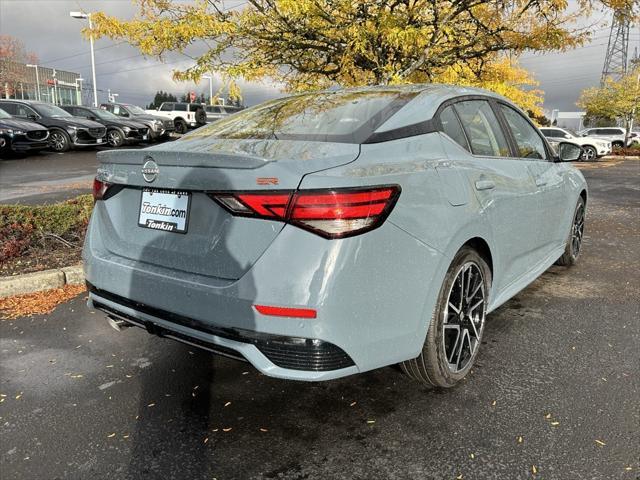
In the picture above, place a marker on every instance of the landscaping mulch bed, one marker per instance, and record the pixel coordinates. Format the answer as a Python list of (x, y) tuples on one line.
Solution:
[(38, 259)]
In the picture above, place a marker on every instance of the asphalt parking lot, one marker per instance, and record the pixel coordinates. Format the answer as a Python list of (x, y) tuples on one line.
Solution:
[(554, 394)]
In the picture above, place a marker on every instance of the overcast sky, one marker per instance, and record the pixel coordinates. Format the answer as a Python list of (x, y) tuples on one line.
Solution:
[(47, 30)]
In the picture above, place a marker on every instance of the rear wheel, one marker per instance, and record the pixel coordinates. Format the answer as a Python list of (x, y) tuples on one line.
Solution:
[(181, 126), (574, 242), (617, 145), (59, 141), (115, 138), (589, 153), (455, 332)]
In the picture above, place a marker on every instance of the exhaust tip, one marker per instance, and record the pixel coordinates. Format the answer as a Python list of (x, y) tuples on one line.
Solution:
[(117, 324)]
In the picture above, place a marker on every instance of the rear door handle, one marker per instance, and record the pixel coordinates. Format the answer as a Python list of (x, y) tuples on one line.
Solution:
[(485, 185), (540, 182)]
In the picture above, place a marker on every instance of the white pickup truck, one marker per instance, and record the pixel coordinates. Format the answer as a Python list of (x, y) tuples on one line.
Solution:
[(184, 115)]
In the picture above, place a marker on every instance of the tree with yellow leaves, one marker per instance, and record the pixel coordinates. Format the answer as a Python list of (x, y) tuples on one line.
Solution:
[(614, 100), (311, 44)]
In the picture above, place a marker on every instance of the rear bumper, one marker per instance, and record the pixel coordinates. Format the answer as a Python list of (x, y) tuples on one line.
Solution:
[(310, 356), (372, 310)]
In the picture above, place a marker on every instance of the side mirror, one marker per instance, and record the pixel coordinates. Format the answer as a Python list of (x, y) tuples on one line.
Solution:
[(32, 117), (569, 152), (93, 118)]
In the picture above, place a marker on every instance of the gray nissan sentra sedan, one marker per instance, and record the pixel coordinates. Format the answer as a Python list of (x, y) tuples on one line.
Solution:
[(330, 233)]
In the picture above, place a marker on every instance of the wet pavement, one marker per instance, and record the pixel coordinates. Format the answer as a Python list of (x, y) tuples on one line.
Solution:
[(554, 394)]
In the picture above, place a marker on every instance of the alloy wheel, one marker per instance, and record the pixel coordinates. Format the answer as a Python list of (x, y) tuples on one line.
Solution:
[(464, 317), (577, 230), (113, 139), (588, 154), (57, 141)]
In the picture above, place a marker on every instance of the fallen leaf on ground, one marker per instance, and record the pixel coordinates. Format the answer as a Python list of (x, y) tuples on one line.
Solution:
[(371, 421), (519, 439), (601, 443), (534, 470), (227, 404), (493, 404), (38, 303), (151, 405), (111, 436), (226, 429), (353, 404), (555, 423), (264, 430)]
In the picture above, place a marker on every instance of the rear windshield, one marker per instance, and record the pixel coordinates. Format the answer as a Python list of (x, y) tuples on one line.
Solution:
[(344, 117)]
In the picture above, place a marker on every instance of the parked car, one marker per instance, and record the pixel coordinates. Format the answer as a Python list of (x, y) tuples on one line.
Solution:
[(159, 128), (593, 147), (216, 112), (615, 135), (183, 115), (65, 131), (21, 136), (331, 233), (119, 130)]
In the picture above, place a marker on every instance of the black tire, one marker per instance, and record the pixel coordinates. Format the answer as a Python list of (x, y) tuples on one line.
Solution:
[(59, 141), (576, 232), (201, 117), (433, 367), (181, 126), (589, 154), (115, 138)]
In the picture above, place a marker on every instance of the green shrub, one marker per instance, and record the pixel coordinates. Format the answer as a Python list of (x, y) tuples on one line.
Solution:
[(23, 227)]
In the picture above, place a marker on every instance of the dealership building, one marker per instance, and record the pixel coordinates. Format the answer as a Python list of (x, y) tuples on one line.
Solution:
[(33, 82)]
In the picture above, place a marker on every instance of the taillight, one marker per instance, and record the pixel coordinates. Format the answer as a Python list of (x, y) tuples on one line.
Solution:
[(331, 213), (99, 189)]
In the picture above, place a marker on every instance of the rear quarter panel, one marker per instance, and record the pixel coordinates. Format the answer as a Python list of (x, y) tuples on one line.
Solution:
[(408, 285)]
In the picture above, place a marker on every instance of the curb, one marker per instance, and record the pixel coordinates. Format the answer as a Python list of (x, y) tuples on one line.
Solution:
[(38, 281)]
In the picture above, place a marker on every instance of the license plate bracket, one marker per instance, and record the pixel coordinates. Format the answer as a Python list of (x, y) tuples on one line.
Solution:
[(164, 210)]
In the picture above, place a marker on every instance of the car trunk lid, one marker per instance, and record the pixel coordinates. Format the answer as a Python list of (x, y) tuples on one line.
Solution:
[(216, 243)]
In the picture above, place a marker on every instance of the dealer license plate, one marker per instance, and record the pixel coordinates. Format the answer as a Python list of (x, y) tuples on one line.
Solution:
[(165, 210)]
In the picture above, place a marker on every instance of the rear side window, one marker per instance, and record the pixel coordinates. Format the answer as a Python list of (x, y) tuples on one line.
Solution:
[(482, 128), (451, 126), (180, 107), (553, 133), (530, 144), (10, 108)]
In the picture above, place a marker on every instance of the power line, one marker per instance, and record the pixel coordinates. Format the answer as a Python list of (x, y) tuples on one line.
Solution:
[(82, 53)]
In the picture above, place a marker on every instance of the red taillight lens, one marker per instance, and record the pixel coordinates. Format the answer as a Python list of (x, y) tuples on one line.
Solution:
[(99, 189), (332, 213)]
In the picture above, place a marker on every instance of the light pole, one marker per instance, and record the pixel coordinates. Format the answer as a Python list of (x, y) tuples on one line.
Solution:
[(79, 90), (37, 80), (83, 15), (210, 77)]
